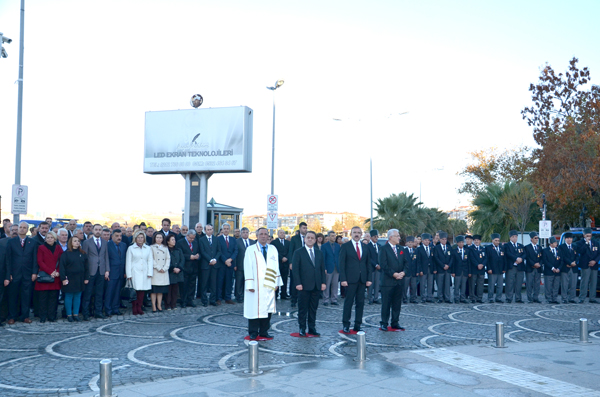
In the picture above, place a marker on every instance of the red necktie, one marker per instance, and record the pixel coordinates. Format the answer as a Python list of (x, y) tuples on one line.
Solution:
[(395, 252), (227, 241), (190, 245), (22, 242), (357, 251)]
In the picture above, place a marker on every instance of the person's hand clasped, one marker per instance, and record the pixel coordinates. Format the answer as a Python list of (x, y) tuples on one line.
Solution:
[(299, 287)]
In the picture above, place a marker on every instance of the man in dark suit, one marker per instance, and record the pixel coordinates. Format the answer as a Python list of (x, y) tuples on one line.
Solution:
[(165, 227), (533, 268), (355, 273), (551, 264), (284, 264), (495, 267), (71, 227), (243, 242), (373, 291), (191, 252), (309, 277), (43, 229), (460, 269), (296, 242), (411, 272), (227, 257), (515, 267), (568, 270), (393, 261), (21, 273), (199, 231), (99, 266), (331, 256), (149, 235), (442, 258), (477, 263), (209, 251), (117, 254), (589, 255), (425, 268), (87, 230)]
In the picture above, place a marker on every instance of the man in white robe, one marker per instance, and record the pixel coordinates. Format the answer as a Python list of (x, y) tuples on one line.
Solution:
[(261, 269)]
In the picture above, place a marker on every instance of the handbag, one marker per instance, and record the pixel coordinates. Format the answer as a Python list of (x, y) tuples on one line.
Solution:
[(128, 293), (44, 277)]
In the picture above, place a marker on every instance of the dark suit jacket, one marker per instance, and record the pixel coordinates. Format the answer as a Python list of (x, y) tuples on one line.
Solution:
[(239, 262), (531, 257), (567, 257), (4, 271), (209, 252), (441, 258), (424, 262), (586, 255), (478, 257), (391, 264), (374, 254), (116, 259), (353, 270), (550, 261), (190, 266), (460, 264), (295, 243), (411, 269), (512, 254), (331, 257), (307, 274), (282, 250), (39, 239), (496, 262), (97, 260), (227, 253), (21, 262)]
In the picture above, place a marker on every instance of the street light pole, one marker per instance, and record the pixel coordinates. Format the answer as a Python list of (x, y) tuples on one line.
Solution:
[(371, 174), (16, 217), (278, 84)]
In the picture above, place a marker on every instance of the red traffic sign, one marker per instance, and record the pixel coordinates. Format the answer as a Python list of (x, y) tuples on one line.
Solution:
[(272, 202)]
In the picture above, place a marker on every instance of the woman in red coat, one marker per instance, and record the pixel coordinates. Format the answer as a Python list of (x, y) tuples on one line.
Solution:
[(48, 256)]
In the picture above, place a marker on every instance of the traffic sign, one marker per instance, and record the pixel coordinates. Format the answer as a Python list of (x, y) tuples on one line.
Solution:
[(273, 202), (272, 220), (19, 199), (545, 229)]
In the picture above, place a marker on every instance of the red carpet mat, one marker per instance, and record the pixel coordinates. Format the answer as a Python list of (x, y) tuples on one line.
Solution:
[(352, 332), (390, 329), (260, 338), (297, 335)]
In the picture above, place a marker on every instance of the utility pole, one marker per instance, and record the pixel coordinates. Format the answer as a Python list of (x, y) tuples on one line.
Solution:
[(16, 217)]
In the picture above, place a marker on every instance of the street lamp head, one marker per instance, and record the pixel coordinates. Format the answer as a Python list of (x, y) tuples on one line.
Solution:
[(278, 84)]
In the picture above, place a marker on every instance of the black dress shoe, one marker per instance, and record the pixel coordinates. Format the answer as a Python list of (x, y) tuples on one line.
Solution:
[(383, 327), (397, 326), (593, 301), (293, 305), (440, 301), (267, 335), (70, 319), (183, 305), (86, 318), (377, 302), (334, 304), (581, 301), (76, 319), (42, 320), (326, 304), (302, 332), (519, 302), (253, 336), (313, 332), (508, 301), (356, 329), (346, 330), (118, 313), (192, 304), (204, 304), (101, 316), (213, 303)]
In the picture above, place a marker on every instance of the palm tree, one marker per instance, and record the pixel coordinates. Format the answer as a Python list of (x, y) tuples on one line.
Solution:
[(398, 211), (490, 216)]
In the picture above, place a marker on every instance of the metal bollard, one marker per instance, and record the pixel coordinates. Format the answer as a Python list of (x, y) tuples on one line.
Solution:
[(583, 330), (106, 379), (361, 346), (500, 335), (253, 359)]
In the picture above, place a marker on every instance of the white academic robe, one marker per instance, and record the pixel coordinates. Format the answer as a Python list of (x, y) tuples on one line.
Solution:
[(261, 302)]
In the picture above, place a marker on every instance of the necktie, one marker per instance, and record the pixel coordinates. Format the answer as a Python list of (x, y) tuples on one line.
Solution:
[(22, 242), (190, 244), (498, 250), (227, 241), (98, 243), (282, 243), (444, 248), (395, 251), (462, 256), (210, 241), (264, 250), (246, 243), (535, 248), (569, 247), (427, 250), (357, 250), (302, 237), (312, 256), (376, 248), (553, 252)]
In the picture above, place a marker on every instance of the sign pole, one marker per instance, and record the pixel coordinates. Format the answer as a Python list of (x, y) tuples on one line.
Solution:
[(16, 217)]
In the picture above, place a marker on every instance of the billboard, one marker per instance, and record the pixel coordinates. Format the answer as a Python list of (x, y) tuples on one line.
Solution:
[(198, 140)]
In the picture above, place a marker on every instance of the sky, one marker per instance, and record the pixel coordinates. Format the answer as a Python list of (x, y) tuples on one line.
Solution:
[(460, 69)]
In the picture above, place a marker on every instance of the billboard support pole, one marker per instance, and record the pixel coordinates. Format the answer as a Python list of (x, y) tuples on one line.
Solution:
[(186, 207), (203, 197)]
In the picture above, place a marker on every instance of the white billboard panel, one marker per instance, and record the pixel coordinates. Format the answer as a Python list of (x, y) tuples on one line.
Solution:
[(198, 140)]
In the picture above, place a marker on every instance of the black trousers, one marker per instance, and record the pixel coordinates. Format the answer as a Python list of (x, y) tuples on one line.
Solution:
[(48, 304), (209, 281), (198, 286), (189, 279), (355, 293), (284, 271), (391, 298), (239, 284), (21, 288), (94, 287), (308, 301), (259, 326)]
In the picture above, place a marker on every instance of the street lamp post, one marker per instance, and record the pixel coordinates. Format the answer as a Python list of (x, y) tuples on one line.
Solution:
[(278, 84)]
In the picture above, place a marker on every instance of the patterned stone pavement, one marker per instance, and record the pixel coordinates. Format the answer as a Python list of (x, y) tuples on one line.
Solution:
[(62, 358)]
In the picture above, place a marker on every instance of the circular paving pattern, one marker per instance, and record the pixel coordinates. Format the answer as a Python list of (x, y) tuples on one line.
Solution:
[(198, 340)]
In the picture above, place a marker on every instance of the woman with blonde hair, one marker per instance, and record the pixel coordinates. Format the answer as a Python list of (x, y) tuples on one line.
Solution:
[(139, 268), (160, 277), (48, 256)]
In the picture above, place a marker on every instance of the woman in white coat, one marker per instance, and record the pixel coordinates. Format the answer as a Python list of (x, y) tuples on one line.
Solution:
[(160, 277), (139, 268)]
